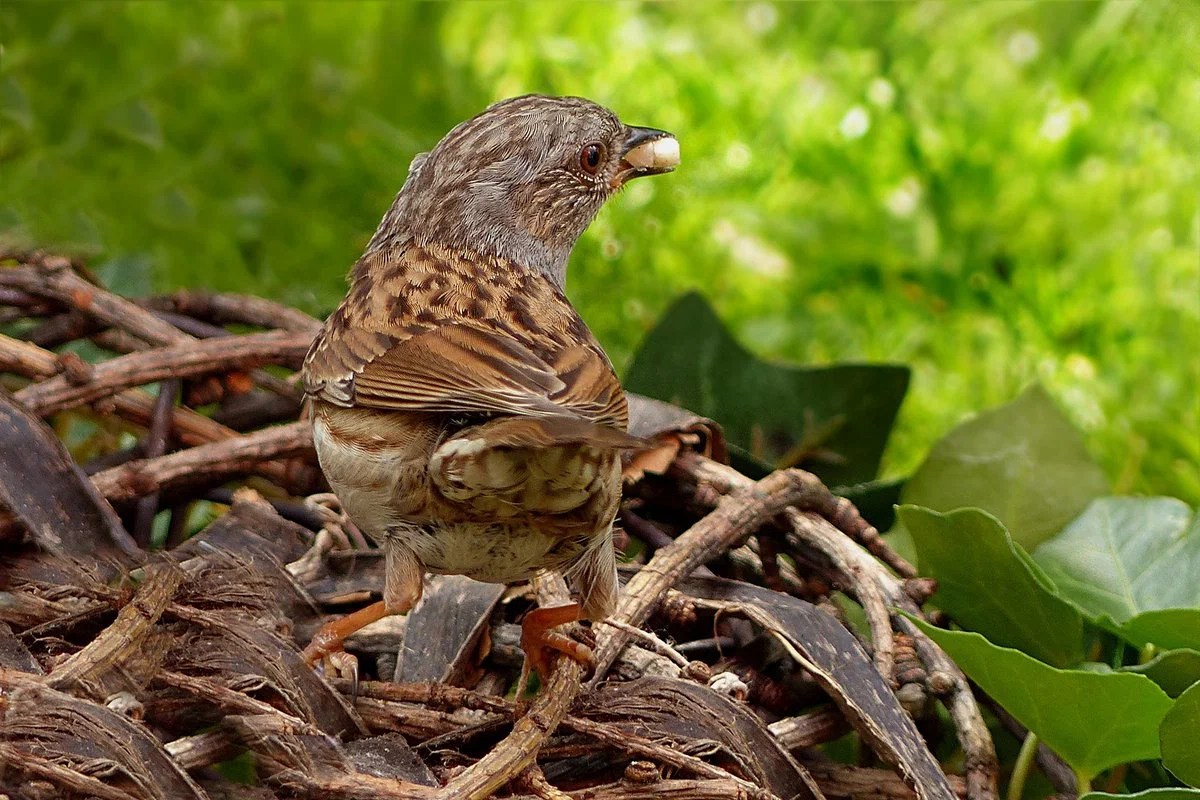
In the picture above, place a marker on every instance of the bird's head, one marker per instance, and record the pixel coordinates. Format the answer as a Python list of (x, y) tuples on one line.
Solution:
[(524, 179)]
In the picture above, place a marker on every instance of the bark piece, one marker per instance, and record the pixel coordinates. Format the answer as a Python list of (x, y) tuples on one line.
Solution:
[(252, 530), (670, 429), (15, 655), (307, 763), (838, 663), (698, 720), (240, 656), (349, 574), (85, 741), (443, 631), (389, 756), (49, 494)]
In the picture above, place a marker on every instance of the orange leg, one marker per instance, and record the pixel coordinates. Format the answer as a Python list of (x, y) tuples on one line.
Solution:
[(541, 643), (329, 638), (402, 585)]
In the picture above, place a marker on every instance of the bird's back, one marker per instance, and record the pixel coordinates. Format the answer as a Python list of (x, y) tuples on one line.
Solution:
[(463, 404)]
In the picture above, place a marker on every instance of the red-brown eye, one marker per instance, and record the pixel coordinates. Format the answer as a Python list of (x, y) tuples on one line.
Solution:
[(590, 157)]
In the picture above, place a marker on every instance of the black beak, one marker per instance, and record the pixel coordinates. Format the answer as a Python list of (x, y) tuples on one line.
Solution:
[(647, 151), (639, 135)]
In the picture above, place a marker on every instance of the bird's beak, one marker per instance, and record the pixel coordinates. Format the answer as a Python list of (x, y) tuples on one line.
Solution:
[(647, 151)]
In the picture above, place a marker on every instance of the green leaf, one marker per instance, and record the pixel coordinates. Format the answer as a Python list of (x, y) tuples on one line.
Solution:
[(1126, 555), (1149, 794), (1022, 462), (833, 421), (1174, 670), (1094, 720), (980, 570), (1169, 628), (1180, 736)]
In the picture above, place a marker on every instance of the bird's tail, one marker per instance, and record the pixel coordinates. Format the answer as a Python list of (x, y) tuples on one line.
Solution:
[(549, 465)]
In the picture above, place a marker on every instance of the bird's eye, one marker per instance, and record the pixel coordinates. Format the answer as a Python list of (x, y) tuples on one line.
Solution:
[(590, 157)]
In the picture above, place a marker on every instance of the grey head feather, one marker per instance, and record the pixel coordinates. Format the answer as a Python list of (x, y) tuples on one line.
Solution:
[(509, 183)]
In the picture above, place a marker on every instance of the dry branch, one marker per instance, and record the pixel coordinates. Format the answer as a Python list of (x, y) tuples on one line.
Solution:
[(206, 646), (149, 366), (125, 635), (450, 697), (242, 309), (736, 517), (205, 464), (864, 577), (512, 756), (137, 406), (53, 277)]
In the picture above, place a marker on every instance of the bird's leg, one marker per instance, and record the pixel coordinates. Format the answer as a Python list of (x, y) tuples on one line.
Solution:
[(326, 645), (403, 582), (540, 642)]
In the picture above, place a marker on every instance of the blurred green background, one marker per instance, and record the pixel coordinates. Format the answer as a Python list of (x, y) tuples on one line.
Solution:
[(993, 192)]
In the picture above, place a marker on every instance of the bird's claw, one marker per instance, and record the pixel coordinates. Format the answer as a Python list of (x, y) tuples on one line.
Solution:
[(343, 665), (541, 643)]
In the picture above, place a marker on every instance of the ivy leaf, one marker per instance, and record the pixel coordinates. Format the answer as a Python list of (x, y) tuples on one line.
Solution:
[(1023, 463), (1168, 628), (1180, 736), (979, 570), (833, 421), (1149, 794), (1174, 670), (1094, 720), (1127, 555)]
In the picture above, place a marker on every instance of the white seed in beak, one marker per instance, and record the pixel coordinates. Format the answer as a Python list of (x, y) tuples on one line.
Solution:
[(658, 154)]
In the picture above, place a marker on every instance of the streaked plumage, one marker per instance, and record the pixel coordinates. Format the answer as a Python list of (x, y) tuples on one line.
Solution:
[(462, 411)]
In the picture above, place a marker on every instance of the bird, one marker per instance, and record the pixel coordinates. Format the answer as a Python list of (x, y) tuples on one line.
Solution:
[(463, 413)]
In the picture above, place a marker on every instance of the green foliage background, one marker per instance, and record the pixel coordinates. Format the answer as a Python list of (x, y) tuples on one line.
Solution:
[(991, 192)]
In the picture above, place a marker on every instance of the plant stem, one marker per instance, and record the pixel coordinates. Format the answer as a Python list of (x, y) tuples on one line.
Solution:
[(1118, 659), (1084, 782), (1025, 759)]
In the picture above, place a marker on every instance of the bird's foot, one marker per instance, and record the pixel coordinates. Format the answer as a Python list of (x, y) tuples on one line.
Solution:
[(541, 643), (328, 658), (326, 646)]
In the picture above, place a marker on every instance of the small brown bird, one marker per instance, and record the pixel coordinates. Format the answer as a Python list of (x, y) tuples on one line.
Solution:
[(462, 411)]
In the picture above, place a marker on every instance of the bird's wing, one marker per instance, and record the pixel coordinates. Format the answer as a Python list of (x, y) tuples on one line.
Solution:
[(431, 331)]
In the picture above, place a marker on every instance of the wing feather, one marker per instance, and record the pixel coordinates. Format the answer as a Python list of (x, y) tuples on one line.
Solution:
[(401, 342)]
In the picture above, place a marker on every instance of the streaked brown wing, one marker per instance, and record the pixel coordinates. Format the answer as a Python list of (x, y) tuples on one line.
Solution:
[(460, 368), (498, 362)]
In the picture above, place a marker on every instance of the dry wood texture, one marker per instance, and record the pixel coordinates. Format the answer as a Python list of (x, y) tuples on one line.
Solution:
[(164, 558)]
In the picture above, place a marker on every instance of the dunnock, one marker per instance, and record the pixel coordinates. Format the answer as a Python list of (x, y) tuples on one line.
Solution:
[(462, 411)]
